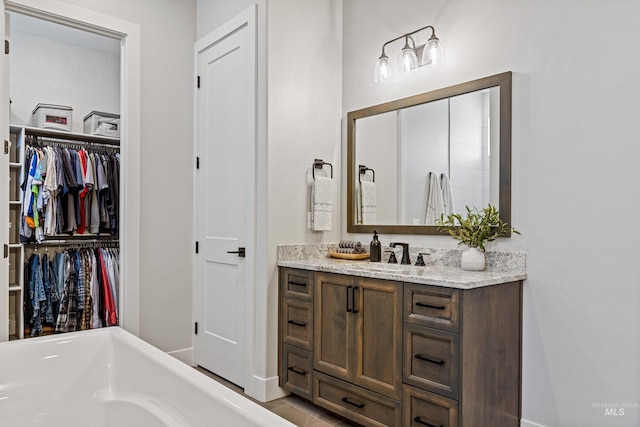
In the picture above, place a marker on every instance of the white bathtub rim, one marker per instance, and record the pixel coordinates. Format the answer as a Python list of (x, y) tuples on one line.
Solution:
[(206, 385)]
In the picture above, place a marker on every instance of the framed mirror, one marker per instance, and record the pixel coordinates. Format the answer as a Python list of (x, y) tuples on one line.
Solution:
[(413, 159)]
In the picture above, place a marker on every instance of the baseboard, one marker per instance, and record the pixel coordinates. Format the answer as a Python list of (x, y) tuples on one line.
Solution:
[(264, 389), (184, 355), (525, 423)]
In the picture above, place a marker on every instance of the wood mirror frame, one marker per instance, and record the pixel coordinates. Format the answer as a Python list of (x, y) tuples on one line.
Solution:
[(503, 81)]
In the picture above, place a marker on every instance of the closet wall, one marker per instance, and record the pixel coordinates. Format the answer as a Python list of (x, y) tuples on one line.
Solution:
[(52, 64)]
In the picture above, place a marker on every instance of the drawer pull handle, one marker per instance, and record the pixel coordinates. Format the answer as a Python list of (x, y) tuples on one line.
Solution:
[(297, 371), (353, 298), (357, 405), (349, 310), (435, 307), (297, 283), (293, 322), (419, 421), (426, 359)]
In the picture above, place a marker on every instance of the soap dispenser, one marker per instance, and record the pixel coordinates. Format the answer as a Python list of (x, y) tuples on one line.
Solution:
[(375, 249)]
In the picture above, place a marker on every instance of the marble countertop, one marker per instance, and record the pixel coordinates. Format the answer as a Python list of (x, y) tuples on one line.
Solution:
[(436, 275)]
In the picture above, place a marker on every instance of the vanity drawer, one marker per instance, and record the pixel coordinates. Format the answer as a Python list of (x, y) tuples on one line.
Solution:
[(296, 284), (297, 323), (355, 403), (296, 370), (422, 408), (431, 359), (432, 306)]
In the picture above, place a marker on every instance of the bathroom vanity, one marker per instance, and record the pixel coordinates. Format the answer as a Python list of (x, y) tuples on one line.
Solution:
[(392, 345)]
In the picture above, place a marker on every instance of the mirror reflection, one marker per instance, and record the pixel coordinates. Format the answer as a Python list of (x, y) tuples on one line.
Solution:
[(428, 160), (414, 159)]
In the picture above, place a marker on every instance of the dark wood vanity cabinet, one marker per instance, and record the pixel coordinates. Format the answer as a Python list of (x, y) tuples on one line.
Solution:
[(382, 352), (358, 331)]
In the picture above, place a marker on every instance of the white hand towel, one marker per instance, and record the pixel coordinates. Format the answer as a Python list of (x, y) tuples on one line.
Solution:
[(322, 204), (447, 195), (368, 203), (358, 205), (435, 205)]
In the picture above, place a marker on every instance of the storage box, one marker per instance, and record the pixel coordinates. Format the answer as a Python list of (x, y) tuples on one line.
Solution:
[(105, 124), (49, 116)]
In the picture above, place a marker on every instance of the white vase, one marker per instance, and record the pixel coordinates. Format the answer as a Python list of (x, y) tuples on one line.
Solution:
[(472, 259)]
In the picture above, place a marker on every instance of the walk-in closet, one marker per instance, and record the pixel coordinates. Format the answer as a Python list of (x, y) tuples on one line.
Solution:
[(64, 179)]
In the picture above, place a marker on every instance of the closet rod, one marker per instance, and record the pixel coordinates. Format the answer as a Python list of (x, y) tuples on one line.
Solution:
[(72, 242), (44, 139), (93, 139)]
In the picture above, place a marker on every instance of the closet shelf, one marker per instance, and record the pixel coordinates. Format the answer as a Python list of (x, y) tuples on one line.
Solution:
[(15, 288), (15, 245), (13, 165), (74, 136), (15, 202)]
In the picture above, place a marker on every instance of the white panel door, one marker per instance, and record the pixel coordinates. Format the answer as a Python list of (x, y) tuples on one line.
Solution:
[(4, 181), (226, 188)]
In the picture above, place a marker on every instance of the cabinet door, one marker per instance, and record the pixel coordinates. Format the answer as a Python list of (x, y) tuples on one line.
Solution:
[(333, 324), (378, 336)]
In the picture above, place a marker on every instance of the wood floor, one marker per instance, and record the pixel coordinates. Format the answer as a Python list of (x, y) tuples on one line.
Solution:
[(296, 410)]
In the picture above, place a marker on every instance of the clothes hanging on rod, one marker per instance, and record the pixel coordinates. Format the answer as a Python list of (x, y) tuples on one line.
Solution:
[(75, 289), (69, 190)]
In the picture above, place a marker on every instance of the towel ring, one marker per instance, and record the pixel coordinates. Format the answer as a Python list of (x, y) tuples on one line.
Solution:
[(363, 170), (319, 164)]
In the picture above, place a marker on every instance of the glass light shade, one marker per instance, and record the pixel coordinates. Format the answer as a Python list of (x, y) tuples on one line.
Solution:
[(382, 72), (407, 61), (433, 55)]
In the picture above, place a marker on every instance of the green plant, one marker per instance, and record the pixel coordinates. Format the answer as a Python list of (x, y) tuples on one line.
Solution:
[(477, 228)]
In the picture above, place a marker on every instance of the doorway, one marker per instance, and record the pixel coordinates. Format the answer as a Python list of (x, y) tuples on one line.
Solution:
[(128, 36)]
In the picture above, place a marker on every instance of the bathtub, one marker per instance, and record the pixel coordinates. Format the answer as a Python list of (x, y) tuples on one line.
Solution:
[(110, 378)]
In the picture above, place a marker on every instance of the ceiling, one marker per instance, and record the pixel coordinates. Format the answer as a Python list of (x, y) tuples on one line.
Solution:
[(64, 34)]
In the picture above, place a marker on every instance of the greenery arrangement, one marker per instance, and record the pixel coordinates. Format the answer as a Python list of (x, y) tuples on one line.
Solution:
[(477, 228)]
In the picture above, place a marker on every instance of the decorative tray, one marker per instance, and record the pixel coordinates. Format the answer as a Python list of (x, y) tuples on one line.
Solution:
[(349, 256)]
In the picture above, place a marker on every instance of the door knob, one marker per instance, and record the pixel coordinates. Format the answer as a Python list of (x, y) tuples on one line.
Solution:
[(241, 252)]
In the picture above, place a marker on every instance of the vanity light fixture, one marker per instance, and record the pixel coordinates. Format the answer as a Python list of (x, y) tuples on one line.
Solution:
[(410, 57)]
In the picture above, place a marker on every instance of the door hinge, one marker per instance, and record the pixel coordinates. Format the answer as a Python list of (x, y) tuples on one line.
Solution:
[(197, 247), (197, 162), (196, 328), (198, 82), (6, 147), (6, 47)]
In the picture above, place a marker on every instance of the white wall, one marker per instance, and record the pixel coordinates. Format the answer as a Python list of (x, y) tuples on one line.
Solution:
[(305, 67), (574, 162), (85, 79), (166, 237)]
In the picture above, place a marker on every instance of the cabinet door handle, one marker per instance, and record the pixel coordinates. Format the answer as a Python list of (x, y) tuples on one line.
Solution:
[(297, 371), (353, 298), (426, 359), (293, 322), (348, 306), (435, 307), (419, 421), (357, 405), (297, 283), (6, 250)]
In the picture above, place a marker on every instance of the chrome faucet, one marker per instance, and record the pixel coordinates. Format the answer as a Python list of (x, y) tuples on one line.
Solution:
[(405, 252)]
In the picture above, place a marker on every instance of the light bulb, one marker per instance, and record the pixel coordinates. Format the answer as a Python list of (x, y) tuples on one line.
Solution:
[(433, 55), (407, 59), (382, 72)]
